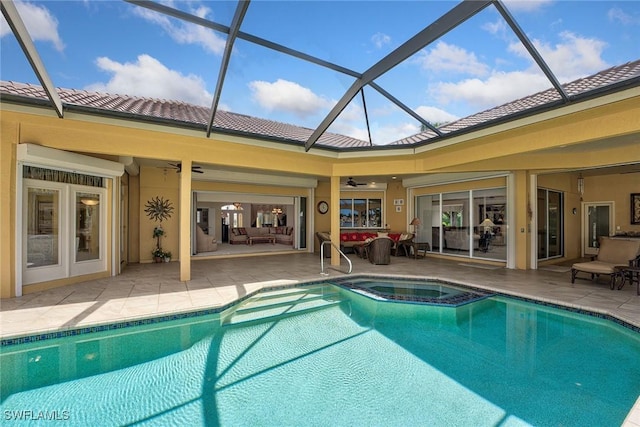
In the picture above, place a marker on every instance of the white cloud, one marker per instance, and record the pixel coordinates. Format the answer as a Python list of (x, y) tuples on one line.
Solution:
[(40, 23), (380, 39), (349, 129), (618, 15), (386, 134), (185, 32), (573, 57), (449, 58), (286, 96), (148, 77), (435, 115), (497, 89)]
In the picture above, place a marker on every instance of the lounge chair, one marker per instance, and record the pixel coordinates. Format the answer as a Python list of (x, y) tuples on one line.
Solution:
[(612, 253)]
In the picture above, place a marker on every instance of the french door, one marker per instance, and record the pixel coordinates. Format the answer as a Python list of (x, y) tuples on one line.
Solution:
[(63, 231)]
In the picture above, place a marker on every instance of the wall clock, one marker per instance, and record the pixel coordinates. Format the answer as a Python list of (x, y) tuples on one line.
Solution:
[(323, 207)]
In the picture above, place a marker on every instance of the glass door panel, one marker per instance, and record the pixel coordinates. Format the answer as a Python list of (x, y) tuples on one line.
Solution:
[(87, 226), (457, 232), (550, 224), (490, 225), (597, 223), (555, 224), (43, 230), (428, 231)]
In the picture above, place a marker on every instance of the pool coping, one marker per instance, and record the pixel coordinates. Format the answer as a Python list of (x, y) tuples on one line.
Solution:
[(44, 335)]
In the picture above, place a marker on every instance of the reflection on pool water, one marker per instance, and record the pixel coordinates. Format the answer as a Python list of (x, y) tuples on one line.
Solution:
[(325, 355)]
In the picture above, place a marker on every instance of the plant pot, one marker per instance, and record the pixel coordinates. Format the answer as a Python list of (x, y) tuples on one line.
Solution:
[(157, 259), (167, 259)]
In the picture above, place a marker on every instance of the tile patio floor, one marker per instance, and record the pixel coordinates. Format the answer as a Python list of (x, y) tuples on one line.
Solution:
[(148, 290)]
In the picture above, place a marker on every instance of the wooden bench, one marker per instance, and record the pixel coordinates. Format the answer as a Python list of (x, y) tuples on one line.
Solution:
[(612, 253)]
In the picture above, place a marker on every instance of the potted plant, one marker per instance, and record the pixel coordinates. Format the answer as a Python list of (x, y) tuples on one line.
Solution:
[(158, 255), (159, 209)]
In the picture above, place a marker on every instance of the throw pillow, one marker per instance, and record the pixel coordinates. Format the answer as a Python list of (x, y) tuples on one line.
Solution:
[(382, 234), (235, 231), (243, 231), (289, 231)]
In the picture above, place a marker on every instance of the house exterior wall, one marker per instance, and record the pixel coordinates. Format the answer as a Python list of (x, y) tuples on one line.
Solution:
[(523, 148)]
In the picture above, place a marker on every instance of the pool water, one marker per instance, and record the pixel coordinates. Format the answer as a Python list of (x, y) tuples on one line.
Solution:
[(323, 355), (423, 292)]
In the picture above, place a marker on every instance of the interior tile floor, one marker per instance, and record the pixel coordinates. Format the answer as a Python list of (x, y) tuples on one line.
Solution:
[(146, 290)]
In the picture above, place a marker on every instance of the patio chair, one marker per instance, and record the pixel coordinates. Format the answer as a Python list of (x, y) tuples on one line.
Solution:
[(405, 243), (612, 253), (379, 250)]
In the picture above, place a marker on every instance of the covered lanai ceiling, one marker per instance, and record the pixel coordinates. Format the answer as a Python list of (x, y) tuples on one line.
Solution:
[(380, 73)]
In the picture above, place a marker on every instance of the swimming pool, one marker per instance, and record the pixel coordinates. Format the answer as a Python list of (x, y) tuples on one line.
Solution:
[(322, 354)]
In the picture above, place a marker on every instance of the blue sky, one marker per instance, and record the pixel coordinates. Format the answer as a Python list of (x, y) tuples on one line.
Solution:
[(113, 46)]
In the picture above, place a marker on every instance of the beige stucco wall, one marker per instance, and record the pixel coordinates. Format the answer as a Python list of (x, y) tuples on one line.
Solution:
[(520, 148)]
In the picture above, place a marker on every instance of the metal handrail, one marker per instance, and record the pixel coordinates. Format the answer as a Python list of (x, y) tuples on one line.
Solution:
[(322, 272)]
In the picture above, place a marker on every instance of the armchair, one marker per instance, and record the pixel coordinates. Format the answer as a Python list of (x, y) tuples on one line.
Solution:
[(379, 250), (204, 242)]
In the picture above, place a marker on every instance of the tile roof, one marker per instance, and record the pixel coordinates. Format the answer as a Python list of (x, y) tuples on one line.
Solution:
[(574, 90), (181, 113)]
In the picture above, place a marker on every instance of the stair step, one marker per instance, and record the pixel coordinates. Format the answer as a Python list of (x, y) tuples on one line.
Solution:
[(317, 290), (261, 301), (269, 312)]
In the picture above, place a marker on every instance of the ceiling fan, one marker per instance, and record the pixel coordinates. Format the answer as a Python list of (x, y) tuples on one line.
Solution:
[(178, 167), (352, 183)]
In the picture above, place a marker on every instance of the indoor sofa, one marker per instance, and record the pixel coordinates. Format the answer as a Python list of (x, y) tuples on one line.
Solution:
[(458, 238), (241, 235)]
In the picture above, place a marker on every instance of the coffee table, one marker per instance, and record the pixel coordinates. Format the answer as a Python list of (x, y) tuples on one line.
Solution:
[(261, 239)]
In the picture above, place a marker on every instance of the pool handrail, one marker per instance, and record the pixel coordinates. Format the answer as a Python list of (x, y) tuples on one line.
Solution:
[(322, 272)]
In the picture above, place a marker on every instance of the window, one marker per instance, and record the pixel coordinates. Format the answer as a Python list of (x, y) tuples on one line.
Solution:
[(361, 213)]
